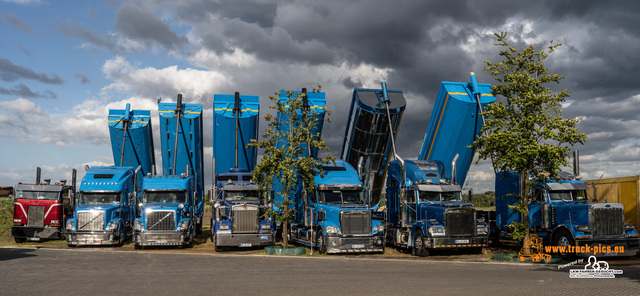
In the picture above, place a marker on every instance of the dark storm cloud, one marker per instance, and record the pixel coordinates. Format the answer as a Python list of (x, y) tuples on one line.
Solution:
[(96, 38), (11, 72), (17, 23), (24, 91), (138, 24)]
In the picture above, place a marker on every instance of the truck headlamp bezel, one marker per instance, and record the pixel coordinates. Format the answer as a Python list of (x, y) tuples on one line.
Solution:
[(629, 226), (137, 225), (183, 225), (436, 230), (223, 227), (332, 229), (113, 225), (264, 226), (583, 228), (71, 225)]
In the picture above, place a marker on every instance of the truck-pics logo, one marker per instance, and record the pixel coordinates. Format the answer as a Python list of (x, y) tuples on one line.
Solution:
[(534, 244)]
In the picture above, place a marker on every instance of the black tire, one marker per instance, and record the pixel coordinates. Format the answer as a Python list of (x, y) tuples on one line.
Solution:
[(19, 240), (215, 243), (475, 250), (199, 226), (564, 238), (137, 247), (320, 242), (418, 246)]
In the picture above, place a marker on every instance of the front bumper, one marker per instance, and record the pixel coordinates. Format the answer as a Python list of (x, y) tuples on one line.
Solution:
[(456, 242), (359, 244), (609, 247), (92, 238), (161, 238), (35, 233), (244, 239)]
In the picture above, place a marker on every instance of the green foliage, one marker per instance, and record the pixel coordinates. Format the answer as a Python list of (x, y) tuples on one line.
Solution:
[(6, 217), (526, 131), (286, 164), (483, 200)]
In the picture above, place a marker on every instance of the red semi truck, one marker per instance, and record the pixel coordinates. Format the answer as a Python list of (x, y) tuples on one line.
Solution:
[(40, 209)]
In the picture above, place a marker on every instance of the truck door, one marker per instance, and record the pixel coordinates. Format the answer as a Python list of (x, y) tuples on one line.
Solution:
[(409, 209), (535, 207)]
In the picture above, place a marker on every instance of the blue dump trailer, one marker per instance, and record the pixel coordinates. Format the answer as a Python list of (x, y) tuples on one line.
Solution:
[(454, 125), (314, 102), (368, 134), (131, 136), (172, 204), (107, 195), (425, 210), (561, 215), (238, 209)]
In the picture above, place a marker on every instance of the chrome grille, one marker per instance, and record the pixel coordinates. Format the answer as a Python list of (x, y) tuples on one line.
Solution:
[(606, 220), (89, 220), (161, 220), (244, 218), (36, 216), (355, 222), (460, 222)]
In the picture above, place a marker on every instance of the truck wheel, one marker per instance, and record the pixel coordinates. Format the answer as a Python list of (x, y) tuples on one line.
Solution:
[(320, 243), (19, 240), (564, 239), (418, 246), (137, 247), (199, 226)]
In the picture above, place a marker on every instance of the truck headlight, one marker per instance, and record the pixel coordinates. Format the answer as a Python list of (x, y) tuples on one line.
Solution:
[(223, 227), (436, 230), (482, 229), (184, 225), (265, 227), (583, 228), (17, 221), (70, 225), (332, 229), (379, 228), (629, 226), (137, 225), (113, 225)]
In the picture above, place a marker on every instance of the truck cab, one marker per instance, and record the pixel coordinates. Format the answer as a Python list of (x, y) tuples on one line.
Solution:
[(427, 211), (105, 207), (338, 216), (166, 212), (239, 218), (561, 214), (40, 210)]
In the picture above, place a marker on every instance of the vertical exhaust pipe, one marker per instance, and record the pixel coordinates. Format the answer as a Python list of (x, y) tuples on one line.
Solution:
[(178, 114), (236, 112), (73, 177), (306, 107), (576, 163), (453, 168), (125, 125), (38, 171)]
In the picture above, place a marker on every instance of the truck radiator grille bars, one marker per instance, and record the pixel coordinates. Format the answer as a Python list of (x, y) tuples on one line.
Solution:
[(161, 220), (89, 220), (36, 216), (245, 218), (606, 220), (355, 222), (460, 222)]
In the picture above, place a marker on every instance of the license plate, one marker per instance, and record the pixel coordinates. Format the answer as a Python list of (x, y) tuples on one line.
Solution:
[(34, 239), (462, 241), (357, 246), (245, 245), (161, 241), (264, 237)]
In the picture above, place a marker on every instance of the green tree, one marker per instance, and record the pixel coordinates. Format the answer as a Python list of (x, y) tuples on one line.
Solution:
[(285, 142), (526, 130)]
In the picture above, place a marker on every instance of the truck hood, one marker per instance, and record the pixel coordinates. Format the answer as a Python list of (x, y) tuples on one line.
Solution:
[(163, 206)]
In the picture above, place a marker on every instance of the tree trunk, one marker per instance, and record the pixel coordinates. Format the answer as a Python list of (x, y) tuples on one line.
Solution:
[(285, 222), (524, 181)]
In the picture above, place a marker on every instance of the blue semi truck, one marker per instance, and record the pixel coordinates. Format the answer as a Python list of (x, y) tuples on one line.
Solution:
[(238, 218), (107, 196), (561, 215), (425, 210), (172, 205)]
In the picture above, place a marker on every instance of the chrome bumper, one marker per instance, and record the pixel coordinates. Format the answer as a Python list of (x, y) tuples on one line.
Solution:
[(367, 244), (244, 239), (92, 238), (161, 238)]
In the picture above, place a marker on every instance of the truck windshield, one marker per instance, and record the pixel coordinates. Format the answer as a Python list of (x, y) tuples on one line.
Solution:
[(340, 197), (98, 198), (165, 196), (440, 196), (568, 195), (48, 195), (241, 195)]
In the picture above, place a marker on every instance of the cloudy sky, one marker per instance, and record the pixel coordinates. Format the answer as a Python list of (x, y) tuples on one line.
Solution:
[(63, 65)]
